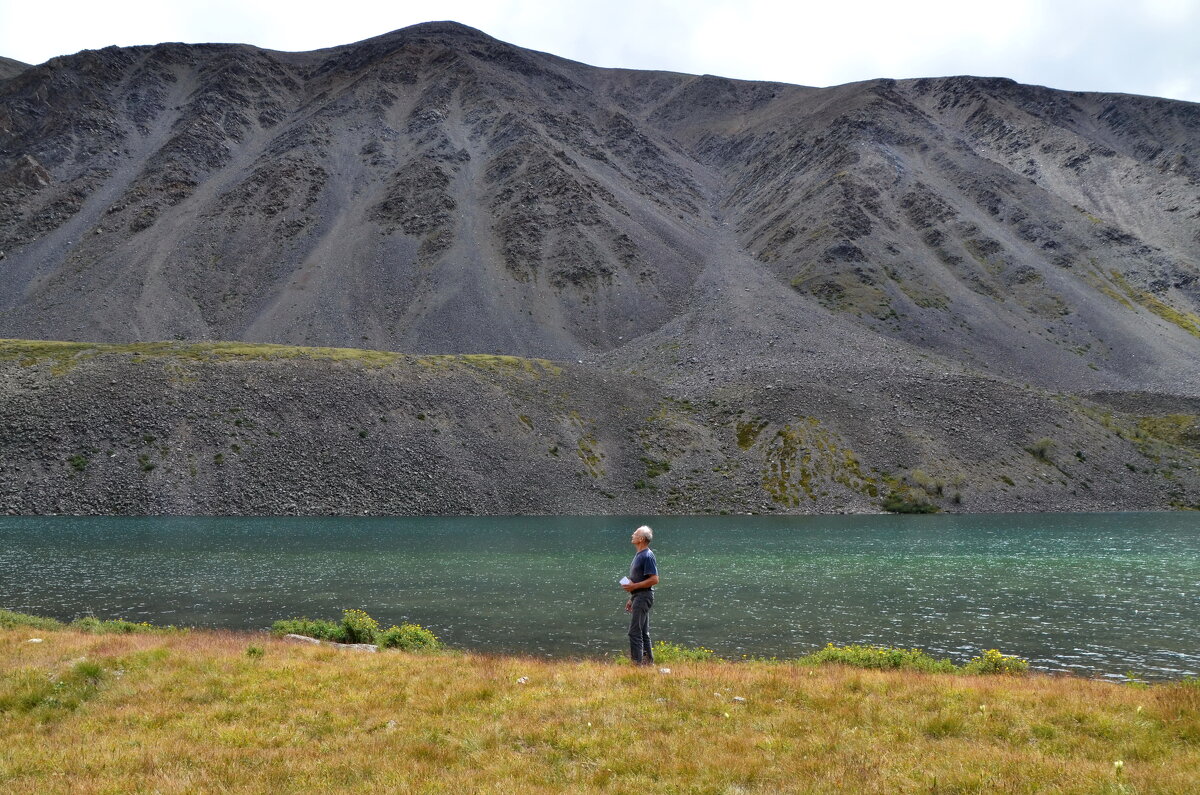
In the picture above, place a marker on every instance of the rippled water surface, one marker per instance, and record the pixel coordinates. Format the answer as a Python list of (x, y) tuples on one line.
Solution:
[(1096, 594)]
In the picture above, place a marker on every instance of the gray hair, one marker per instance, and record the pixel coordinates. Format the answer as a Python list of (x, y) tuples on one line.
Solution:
[(645, 532)]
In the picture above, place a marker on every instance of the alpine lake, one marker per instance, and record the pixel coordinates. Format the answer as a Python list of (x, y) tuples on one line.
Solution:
[(1100, 595)]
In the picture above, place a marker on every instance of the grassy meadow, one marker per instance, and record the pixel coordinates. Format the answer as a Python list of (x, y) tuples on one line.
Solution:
[(191, 711)]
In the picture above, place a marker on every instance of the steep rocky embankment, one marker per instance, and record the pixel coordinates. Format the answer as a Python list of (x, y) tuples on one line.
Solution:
[(755, 296), (234, 428)]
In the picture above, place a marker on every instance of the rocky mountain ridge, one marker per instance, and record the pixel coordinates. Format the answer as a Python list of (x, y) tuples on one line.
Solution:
[(851, 256)]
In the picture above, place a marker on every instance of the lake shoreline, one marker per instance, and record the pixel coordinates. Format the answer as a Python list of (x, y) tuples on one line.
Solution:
[(1098, 594)]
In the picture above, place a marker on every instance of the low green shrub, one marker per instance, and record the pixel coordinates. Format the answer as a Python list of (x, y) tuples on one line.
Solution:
[(860, 656), (993, 662), (907, 501), (1042, 449), (930, 485), (118, 626), (666, 652), (308, 627), (12, 620), (409, 637), (358, 627)]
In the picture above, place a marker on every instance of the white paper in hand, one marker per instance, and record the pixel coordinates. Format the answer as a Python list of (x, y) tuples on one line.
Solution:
[(625, 581)]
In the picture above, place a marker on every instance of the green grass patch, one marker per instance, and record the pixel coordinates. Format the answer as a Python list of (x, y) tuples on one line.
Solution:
[(13, 620), (120, 626), (63, 356), (309, 628), (666, 652), (747, 432), (46, 696), (1177, 429), (655, 468), (859, 656), (1184, 320)]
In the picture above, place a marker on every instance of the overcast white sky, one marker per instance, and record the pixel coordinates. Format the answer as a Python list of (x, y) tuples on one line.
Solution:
[(1134, 46)]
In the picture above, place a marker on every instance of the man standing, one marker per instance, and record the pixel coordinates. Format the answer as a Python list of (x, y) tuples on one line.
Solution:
[(643, 576)]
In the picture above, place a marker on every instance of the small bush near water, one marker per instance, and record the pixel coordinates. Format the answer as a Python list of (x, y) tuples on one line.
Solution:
[(667, 652), (358, 627), (309, 628), (409, 637), (118, 626), (878, 657), (993, 662), (907, 501), (11, 620), (990, 661), (96, 626)]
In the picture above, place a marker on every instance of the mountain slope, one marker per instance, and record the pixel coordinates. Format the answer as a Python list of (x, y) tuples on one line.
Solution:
[(10, 68), (231, 428), (907, 263)]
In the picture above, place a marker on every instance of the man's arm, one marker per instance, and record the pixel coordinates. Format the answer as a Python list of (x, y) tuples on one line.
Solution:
[(650, 581)]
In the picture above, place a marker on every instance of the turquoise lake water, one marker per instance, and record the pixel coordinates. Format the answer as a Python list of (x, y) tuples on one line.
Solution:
[(1095, 594)]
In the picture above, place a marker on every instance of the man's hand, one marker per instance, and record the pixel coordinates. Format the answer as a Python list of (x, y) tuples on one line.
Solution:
[(650, 581), (629, 606)]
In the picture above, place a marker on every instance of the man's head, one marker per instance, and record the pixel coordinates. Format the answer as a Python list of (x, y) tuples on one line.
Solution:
[(642, 537)]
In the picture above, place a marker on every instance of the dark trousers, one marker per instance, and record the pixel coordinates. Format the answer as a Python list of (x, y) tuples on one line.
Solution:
[(639, 628)]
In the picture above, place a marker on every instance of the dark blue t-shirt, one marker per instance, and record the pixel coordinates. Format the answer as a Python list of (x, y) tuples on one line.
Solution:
[(643, 566)]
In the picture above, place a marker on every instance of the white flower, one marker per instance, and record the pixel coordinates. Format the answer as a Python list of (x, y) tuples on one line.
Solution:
[(739, 699), (34, 640), (523, 680), (664, 670)]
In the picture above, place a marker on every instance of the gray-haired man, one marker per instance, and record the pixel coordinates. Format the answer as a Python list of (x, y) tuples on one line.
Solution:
[(643, 576)]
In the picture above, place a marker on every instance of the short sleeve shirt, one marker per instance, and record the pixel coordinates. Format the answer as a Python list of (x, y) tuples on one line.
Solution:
[(643, 566)]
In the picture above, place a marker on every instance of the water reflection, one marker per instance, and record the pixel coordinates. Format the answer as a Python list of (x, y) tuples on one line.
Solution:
[(1096, 594)]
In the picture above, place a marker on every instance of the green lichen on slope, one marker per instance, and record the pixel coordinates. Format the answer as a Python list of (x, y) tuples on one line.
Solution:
[(802, 459), (1117, 287), (1184, 320)]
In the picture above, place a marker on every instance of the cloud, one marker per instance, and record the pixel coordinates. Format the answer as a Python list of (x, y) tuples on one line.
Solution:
[(1099, 45)]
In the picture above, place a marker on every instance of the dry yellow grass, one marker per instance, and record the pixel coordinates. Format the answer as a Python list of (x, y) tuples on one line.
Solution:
[(194, 712)]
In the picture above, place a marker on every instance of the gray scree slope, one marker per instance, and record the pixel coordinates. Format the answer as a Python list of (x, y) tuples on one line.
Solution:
[(756, 296)]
